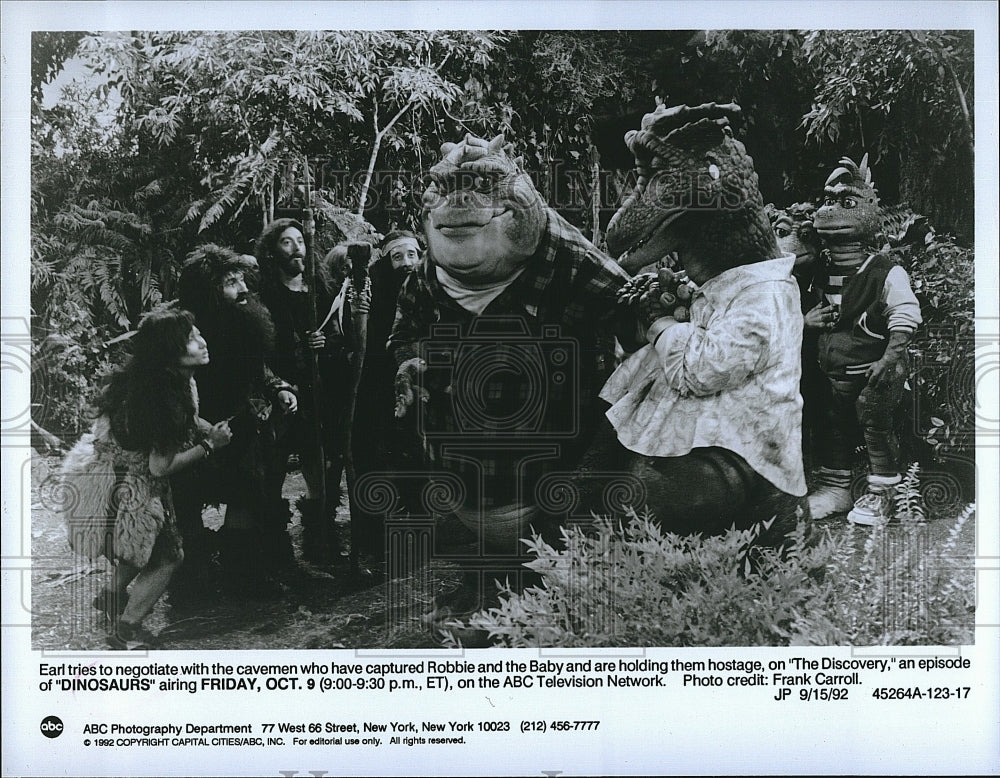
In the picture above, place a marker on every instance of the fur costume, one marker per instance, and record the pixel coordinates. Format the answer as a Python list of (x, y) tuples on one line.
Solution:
[(112, 504)]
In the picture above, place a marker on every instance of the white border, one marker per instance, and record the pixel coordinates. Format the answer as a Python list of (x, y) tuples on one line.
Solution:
[(669, 733)]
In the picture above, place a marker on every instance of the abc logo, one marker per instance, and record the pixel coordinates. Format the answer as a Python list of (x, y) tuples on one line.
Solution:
[(52, 726)]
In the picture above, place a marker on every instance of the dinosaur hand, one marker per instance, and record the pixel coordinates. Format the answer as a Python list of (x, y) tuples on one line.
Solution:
[(635, 288), (820, 317), (883, 372), (670, 297), (894, 363), (407, 386)]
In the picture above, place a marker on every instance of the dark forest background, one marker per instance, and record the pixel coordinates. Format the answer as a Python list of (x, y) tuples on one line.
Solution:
[(170, 139)]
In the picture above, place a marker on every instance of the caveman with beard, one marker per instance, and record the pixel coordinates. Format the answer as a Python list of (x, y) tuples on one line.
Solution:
[(503, 339), (379, 441), (237, 385), (284, 289), (864, 350)]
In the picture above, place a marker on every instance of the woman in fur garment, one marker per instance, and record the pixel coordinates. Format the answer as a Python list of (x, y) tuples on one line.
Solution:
[(117, 476)]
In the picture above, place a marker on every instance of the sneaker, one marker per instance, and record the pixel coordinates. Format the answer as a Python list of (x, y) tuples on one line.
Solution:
[(127, 636), (874, 507), (832, 493)]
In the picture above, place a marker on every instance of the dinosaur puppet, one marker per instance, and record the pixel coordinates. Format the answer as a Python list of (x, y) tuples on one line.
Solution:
[(690, 168), (503, 337), (904, 235), (899, 226), (863, 352), (707, 415), (795, 234)]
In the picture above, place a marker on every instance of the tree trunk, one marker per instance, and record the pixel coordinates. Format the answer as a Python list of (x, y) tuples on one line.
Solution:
[(376, 146), (595, 193), (967, 119), (368, 174)]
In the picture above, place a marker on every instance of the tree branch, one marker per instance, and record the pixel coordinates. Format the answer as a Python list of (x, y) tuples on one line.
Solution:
[(376, 146), (967, 120)]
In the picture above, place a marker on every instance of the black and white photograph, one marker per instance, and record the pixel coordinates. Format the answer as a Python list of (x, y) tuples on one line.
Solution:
[(363, 362)]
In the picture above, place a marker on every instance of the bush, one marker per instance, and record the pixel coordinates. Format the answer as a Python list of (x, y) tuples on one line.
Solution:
[(67, 367), (943, 279), (635, 585)]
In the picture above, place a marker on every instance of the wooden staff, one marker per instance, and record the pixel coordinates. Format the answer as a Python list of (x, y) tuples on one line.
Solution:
[(359, 255), (309, 227)]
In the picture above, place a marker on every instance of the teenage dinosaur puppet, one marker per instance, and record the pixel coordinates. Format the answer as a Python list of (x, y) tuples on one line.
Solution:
[(850, 224)]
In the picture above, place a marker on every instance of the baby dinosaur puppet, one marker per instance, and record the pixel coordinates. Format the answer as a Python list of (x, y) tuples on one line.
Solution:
[(707, 415)]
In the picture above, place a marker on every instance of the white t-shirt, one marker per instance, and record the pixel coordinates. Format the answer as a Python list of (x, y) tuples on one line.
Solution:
[(473, 300)]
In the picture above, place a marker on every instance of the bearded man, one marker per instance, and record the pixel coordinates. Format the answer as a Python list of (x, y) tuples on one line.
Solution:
[(238, 386), (301, 337), (380, 444)]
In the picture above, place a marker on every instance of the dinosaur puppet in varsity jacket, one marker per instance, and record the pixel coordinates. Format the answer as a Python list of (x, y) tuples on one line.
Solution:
[(503, 336), (863, 351), (707, 415)]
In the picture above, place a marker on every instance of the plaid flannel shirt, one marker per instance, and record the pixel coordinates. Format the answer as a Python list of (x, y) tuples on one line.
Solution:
[(513, 391)]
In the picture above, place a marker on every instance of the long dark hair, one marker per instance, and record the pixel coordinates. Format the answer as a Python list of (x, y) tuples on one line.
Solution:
[(149, 400), (199, 285), (270, 273)]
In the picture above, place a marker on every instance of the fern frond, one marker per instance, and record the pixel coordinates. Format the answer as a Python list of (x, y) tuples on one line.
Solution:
[(909, 501)]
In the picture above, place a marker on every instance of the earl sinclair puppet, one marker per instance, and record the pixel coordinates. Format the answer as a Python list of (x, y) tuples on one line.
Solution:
[(503, 337)]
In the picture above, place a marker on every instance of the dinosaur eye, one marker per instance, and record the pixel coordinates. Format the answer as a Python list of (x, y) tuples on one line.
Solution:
[(781, 232), (484, 183), (849, 202), (830, 201)]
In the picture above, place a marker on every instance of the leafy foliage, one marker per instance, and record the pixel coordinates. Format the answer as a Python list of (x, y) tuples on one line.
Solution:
[(909, 503), (942, 275), (175, 138), (635, 585), (906, 95), (49, 52)]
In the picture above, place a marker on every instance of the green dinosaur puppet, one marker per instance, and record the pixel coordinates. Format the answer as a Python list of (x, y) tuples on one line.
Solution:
[(691, 170), (864, 352), (707, 415), (503, 337)]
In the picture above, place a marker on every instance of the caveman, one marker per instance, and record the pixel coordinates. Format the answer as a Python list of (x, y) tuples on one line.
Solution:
[(863, 352), (708, 414), (236, 386), (503, 337), (284, 290)]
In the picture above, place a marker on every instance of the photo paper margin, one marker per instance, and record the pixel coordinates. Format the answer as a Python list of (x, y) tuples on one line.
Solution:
[(645, 732)]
